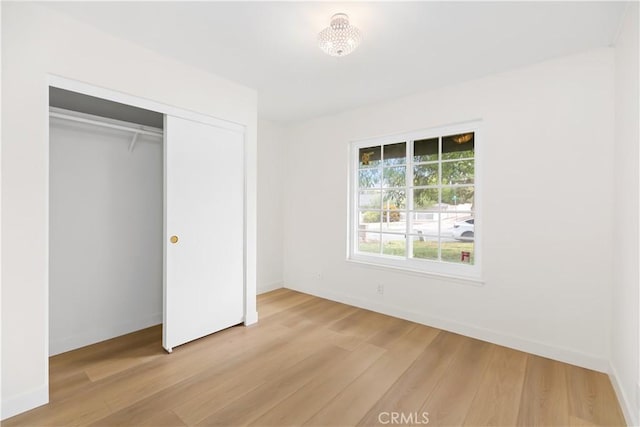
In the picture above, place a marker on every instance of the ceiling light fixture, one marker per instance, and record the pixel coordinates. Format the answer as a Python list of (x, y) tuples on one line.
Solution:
[(462, 138), (339, 38)]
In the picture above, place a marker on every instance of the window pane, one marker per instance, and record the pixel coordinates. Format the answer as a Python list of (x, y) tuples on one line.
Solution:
[(426, 199), (395, 176), (424, 223), (369, 220), (425, 174), (394, 244), (458, 146), (395, 154), (394, 221), (457, 172), (458, 198), (369, 242), (425, 247), (419, 218), (394, 199), (369, 156), (425, 150), (458, 252), (370, 178), (369, 199)]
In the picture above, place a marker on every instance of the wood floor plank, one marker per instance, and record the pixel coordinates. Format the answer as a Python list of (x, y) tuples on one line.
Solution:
[(362, 324), (160, 418), (309, 399), (202, 383), (590, 397), (127, 388), (329, 313), (164, 419), (68, 386), (146, 382), (498, 397), (350, 405), (579, 422), (544, 399), (449, 402), (135, 356), (95, 352), (314, 361), (267, 297), (393, 330), (65, 413), (409, 392), (85, 358), (296, 314), (260, 400), (195, 384), (286, 302), (192, 388), (243, 378)]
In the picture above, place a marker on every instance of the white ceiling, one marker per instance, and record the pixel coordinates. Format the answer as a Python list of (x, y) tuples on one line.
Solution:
[(407, 46)]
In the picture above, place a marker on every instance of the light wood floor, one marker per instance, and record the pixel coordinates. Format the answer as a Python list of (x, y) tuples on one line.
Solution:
[(315, 362)]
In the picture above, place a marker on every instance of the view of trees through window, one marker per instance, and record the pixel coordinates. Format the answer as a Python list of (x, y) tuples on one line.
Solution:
[(415, 199)]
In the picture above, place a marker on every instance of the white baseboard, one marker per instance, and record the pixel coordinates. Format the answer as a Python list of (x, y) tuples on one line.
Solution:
[(96, 335), (534, 347), (626, 401), (268, 287), (15, 405)]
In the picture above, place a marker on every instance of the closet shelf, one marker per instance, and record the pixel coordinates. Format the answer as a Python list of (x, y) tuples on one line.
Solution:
[(103, 124), (134, 130)]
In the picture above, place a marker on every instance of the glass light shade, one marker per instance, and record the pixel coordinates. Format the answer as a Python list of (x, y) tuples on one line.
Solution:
[(339, 38)]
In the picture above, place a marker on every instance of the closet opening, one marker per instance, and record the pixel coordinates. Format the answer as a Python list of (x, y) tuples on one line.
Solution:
[(105, 219), (147, 220)]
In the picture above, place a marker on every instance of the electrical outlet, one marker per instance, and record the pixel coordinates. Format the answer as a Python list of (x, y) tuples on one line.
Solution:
[(319, 275), (380, 290)]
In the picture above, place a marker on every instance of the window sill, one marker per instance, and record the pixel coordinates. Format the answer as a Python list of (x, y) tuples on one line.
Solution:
[(473, 281)]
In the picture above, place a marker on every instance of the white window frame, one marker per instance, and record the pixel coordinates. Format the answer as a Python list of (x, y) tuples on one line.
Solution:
[(443, 269)]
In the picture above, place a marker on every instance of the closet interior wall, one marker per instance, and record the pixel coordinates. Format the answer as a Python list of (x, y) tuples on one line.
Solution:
[(106, 207)]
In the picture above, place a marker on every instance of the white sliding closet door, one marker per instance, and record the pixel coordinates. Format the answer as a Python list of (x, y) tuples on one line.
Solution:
[(204, 194)]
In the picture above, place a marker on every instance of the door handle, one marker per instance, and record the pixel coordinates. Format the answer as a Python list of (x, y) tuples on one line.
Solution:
[(174, 239)]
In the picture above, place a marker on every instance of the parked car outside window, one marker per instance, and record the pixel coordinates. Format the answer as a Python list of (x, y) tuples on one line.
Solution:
[(463, 230)]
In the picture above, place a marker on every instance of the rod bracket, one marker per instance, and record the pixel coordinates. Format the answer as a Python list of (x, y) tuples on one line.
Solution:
[(133, 142)]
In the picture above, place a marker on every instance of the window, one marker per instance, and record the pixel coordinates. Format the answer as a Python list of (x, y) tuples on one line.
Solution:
[(414, 201)]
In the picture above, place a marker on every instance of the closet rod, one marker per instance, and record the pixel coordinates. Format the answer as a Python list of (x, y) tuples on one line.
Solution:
[(107, 125)]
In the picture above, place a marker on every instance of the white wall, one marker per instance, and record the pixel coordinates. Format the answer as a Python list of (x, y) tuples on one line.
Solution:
[(270, 213), (105, 234), (37, 41), (546, 209), (626, 278)]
